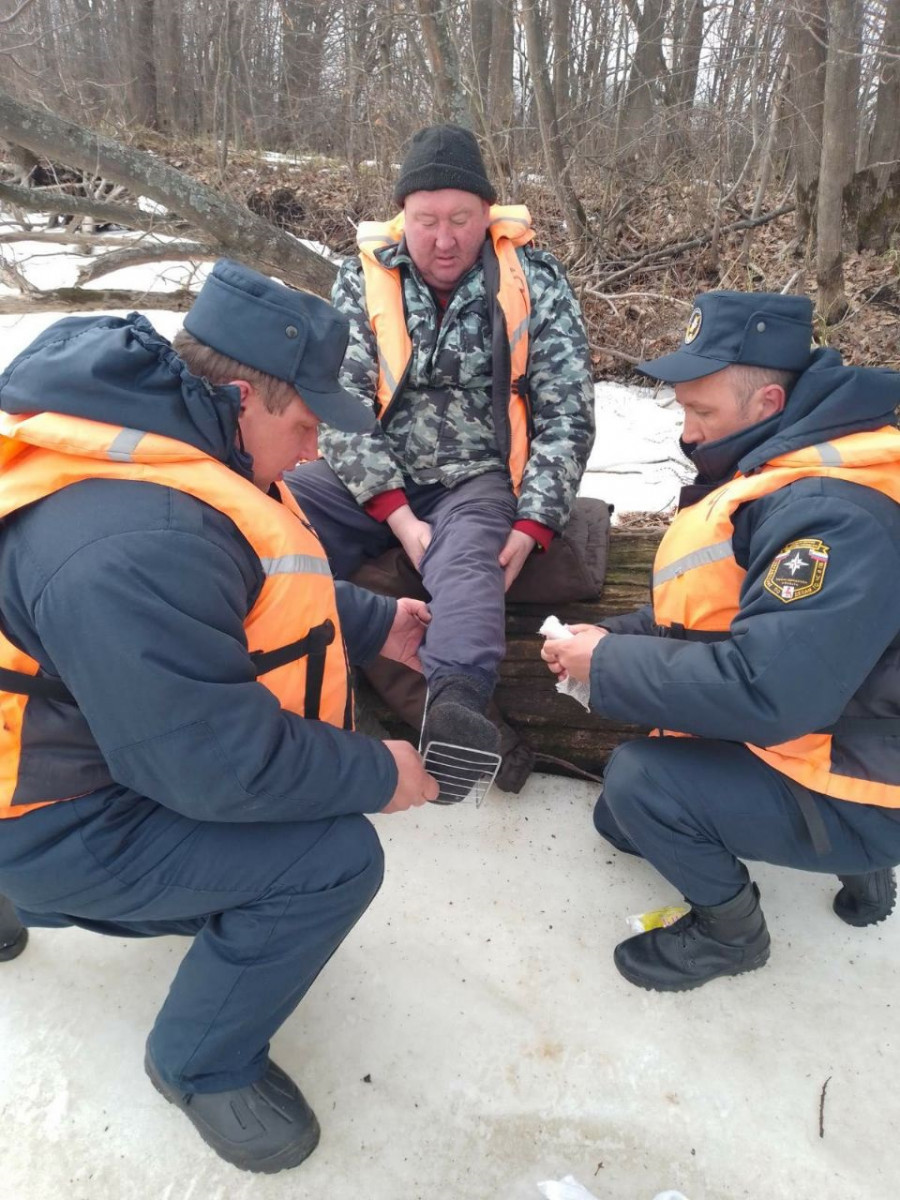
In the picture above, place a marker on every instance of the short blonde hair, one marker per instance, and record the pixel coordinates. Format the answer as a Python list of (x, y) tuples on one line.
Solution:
[(218, 368), (748, 379)]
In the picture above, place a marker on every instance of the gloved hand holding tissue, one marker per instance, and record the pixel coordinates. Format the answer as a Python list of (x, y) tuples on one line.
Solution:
[(580, 690)]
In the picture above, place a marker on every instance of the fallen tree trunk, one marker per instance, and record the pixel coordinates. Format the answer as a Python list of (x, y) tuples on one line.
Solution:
[(245, 236), (556, 726)]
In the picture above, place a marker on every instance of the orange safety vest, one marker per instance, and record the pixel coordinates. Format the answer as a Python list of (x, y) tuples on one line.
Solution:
[(697, 582), (510, 226), (293, 628)]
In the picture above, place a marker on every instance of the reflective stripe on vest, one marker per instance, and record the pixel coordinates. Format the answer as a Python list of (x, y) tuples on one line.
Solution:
[(43, 453), (697, 582), (510, 226)]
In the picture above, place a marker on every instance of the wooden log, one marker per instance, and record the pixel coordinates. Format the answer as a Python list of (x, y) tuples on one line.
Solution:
[(556, 726)]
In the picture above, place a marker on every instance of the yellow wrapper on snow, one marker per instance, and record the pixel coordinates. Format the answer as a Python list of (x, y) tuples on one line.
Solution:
[(659, 918)]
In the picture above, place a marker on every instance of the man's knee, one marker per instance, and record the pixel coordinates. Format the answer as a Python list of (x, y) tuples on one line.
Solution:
[(350, 856), (637, 782), (608, 827)]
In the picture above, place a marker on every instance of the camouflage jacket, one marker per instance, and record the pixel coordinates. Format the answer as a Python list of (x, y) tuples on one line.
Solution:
[(440, 429)]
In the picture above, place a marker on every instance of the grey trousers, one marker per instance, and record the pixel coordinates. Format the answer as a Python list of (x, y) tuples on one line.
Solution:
[(460, 569)]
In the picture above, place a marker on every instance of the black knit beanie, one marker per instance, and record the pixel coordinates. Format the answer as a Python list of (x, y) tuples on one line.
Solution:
[(443, 156)]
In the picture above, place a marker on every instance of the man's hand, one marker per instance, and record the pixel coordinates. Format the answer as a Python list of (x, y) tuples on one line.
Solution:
[(414, 785), (405, 637), (572, 656), (512, 557), (412, 534)]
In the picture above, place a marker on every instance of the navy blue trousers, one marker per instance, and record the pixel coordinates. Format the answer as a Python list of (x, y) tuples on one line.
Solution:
[(695, 808), (460, 569), (266, 905)]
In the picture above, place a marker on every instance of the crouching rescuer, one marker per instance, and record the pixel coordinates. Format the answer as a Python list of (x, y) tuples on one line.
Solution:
[(177, 753), (769, 660)]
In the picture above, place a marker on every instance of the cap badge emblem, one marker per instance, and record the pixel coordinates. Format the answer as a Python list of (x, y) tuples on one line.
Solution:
[(693, 326)]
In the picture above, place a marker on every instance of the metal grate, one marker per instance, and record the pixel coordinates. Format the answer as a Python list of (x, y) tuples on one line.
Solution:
[(463, 773)]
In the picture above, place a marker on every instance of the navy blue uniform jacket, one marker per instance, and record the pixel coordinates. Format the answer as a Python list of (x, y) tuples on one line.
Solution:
[(135, 596), (786, 669)]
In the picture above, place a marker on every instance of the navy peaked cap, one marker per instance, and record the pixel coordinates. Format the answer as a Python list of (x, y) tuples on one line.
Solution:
[(292, 335), (760, 329)]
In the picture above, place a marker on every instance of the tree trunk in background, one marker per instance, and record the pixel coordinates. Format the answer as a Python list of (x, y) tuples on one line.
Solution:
[(500, 94), (648, 73), (554, 158), (450, 102), (144, 49), (481, 20), (687, 45), (302, 56), (878, 185), (838, 152), (807, 45), (560, 12)]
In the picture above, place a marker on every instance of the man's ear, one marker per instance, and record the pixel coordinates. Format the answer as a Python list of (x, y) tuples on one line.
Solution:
[(244, 388), (772, 399)]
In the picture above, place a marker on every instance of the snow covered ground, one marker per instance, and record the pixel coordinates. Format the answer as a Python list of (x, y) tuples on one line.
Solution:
[(472, 1037)]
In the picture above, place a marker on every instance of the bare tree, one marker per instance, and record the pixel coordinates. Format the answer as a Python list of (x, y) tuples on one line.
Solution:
[(838, 151), (807, 45), (554, 157)]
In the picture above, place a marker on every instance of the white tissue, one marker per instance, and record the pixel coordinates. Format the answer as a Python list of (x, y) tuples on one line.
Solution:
[(554, 628)]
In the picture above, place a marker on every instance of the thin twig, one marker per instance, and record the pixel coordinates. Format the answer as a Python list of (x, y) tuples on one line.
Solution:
[(822, 1108)]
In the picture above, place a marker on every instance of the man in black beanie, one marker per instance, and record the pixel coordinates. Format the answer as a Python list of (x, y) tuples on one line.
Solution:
[(469, 346)]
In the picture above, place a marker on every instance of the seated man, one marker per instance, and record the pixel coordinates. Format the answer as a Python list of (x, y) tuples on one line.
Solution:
[(468, 345), (177, 749), (773, 639)]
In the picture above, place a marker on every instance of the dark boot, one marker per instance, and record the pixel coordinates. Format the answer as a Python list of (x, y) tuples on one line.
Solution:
[(13, 934), (265, 1127), (456, 708), (725, 939), (866, 899)]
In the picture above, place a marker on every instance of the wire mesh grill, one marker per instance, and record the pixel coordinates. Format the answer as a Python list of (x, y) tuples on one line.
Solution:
[(463, 773)]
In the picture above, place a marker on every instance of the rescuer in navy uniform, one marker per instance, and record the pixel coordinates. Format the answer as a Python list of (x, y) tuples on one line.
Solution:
[(773, 641), (177, 752)]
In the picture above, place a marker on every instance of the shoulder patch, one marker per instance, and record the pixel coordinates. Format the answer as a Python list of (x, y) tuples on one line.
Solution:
[(798, 570)]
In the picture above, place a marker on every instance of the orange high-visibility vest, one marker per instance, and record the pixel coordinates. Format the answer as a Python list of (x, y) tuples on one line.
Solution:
[(697, 582), (510, 226), (45, 452)]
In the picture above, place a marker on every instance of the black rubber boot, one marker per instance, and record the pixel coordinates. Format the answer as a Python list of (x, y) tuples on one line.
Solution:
[(265, 1127), (866, 899), (13, 934), (725, 939)]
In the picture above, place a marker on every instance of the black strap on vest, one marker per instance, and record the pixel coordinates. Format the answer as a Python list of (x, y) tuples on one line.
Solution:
[(677, 630), (42, 686), (502, 383), (871, 726), (313, 646)]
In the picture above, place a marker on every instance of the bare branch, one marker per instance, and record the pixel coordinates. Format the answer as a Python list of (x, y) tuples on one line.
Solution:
[(148, 252), (88, 300), (670, 250), (53, 200), (17, 13)]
